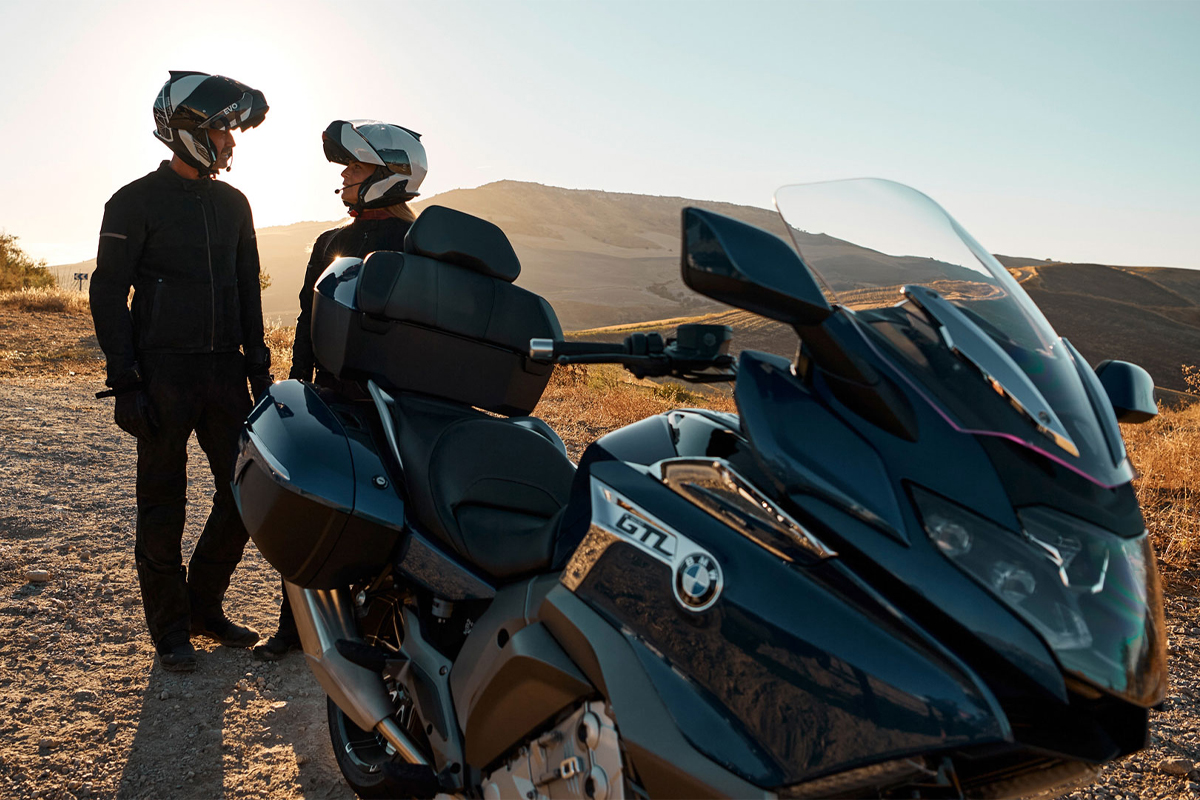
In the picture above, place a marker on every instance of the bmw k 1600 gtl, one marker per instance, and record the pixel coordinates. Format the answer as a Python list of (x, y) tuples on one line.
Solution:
[(911, 565)]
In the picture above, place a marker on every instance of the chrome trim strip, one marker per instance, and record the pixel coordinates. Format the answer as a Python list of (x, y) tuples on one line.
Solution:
[(975, 347), (383, 404), (268, 457), (541, 349), (754, 503)]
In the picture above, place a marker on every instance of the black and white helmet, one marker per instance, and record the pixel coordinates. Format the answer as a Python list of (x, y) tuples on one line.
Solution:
[(192, 103), (397, 153)]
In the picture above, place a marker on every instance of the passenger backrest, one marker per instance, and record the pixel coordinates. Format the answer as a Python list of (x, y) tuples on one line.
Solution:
[(444, 319)]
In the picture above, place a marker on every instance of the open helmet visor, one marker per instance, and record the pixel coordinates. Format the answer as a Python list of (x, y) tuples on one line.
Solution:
[(248, 111)]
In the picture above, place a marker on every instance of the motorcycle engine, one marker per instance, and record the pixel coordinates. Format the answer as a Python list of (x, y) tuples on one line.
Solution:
[(578, 758)]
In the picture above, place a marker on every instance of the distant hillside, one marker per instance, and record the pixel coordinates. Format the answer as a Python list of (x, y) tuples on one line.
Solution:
[(598, 257), (608, 258), (1150, 316)]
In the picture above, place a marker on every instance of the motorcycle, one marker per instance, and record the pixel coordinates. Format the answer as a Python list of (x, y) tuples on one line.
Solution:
[(911, 565)]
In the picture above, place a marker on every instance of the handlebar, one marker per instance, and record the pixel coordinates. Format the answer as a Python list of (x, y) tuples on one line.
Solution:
[(694, 349), (551, 350)]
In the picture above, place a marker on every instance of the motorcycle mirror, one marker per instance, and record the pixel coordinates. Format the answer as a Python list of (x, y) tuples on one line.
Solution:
[(1130, 389), (747, 267)]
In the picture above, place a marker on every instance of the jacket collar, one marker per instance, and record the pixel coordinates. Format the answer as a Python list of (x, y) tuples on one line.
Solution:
[(176, 180)]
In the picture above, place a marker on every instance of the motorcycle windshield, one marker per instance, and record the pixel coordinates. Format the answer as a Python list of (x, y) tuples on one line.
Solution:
[(954, 321)]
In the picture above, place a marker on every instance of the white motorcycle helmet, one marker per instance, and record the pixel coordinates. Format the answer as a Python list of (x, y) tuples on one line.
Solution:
[(192, 103), (396, 152)]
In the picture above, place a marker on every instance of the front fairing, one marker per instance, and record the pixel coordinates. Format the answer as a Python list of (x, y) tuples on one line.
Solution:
[(978, 444)]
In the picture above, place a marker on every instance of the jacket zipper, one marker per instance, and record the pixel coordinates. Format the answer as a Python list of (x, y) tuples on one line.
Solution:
[(212, 281)]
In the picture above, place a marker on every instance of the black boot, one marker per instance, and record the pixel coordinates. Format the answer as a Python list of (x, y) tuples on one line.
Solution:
[(277, 646), (225, 632), (175, 652)]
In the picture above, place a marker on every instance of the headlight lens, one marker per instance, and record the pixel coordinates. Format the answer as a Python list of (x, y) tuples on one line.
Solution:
[(1092, 595)]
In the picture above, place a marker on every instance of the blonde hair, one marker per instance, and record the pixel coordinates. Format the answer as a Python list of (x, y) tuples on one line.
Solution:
[(402, 211)]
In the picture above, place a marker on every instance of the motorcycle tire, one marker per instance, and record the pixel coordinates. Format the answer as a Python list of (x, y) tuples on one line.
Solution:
[(368, 768)]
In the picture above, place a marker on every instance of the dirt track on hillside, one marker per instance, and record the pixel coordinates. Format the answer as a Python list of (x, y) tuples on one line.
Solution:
[(86, 712)]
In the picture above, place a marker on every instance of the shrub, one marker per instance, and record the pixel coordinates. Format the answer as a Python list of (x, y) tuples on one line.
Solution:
[(279, 340), (1191, 377), (676, 394), (18, 270)]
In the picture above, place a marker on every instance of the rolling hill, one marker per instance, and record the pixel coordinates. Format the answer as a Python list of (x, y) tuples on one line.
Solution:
[(607, 258)]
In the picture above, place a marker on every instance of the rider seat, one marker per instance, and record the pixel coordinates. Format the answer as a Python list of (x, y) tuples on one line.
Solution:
[(490, 489)]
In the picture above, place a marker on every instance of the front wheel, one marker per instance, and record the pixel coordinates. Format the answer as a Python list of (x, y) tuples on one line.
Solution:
[(367, 765)]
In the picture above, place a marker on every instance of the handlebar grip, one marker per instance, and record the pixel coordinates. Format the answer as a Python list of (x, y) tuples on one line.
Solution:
[(549, 349)]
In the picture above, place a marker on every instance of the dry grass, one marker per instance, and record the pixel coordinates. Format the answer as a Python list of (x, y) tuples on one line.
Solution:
[(583, 403), (1166, 453), (279, 339), (56, 299)]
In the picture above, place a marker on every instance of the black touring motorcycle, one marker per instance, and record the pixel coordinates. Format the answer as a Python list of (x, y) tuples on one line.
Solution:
[(911, 565)]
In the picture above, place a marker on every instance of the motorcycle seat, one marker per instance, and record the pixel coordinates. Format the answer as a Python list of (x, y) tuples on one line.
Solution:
[(489, 488)]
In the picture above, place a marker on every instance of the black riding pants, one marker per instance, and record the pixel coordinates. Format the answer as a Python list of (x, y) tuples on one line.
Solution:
[(205, 393)]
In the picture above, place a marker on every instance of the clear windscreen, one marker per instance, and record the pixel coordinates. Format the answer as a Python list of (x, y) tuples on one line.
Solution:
[(866, 239)]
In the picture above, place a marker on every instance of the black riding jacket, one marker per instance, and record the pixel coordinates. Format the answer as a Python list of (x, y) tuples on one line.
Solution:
[(187, 248), (356, 240)]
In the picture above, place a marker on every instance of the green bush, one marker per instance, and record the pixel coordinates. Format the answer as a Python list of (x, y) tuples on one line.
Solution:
[(18, 270), (674, 393)]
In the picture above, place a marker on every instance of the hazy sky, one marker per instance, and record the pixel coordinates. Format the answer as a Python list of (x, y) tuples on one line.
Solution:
[(1067, 130)]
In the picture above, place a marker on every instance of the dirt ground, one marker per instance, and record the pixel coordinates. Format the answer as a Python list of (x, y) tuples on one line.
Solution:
[(86, 712)]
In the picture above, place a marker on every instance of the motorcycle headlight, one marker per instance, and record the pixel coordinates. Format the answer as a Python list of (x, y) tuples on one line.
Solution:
[(1092, 595)]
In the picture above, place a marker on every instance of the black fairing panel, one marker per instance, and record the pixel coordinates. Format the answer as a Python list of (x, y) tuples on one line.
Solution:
[(811, 671), (643, 442), (685, 432), (809, 449)]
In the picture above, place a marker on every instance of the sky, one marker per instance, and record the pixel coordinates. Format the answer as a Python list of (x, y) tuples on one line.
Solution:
[(1062, 130)]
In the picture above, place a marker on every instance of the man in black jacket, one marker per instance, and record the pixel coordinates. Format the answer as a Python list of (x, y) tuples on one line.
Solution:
[(179, 355)]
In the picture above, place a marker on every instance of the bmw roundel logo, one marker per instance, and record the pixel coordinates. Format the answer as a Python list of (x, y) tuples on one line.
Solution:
[(698, 582)]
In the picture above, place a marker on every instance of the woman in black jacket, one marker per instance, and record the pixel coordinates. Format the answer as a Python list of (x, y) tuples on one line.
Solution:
[(385, 165)]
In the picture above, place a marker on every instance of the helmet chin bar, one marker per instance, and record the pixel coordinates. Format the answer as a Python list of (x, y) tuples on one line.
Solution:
[(200, 154)]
